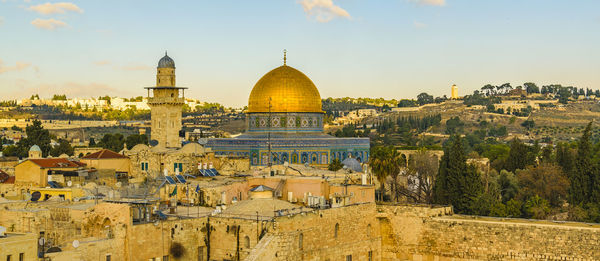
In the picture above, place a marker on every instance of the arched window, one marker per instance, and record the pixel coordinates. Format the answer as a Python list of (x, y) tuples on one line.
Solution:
[(247, 242), (337, 229), (369, 230), (300, 239)]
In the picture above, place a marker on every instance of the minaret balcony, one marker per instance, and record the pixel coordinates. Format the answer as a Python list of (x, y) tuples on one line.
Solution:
[(165, 100)]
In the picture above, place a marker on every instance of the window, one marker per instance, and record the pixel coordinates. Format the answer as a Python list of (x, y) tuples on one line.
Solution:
[(349, 258), (370, 256), (337, 228), (300, 239), (200, 253), (165, 258), (178, 166), (108, 257), (8, 257), (247, 242), (144, 166), (21, 256)]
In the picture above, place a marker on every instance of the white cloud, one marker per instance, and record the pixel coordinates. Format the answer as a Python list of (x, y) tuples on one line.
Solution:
[(430, 2), (55, 8), (48, 24), (323, 10), (19, 66), (419, 24)]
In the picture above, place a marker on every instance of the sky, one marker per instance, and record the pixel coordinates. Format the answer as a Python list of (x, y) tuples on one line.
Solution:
[(349, 48)]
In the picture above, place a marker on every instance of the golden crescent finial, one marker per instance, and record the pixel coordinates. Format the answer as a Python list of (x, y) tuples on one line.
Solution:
[(284, 56)]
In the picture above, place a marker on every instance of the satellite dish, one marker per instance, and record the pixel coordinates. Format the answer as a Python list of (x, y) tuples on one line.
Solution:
[(75, 243), (286, 164), (69, 183), (35, 196), (41, 241), (153, 143)]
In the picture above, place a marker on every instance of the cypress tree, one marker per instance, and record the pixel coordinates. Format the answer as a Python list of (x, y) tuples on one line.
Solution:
[(457, 183), (582, 174)]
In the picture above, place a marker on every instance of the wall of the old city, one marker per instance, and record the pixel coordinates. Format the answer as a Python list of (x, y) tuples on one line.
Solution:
[(330, 234), (431, 233), (154, 240)]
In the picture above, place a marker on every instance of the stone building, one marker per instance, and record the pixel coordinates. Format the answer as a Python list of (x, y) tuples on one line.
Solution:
[(166, 105)]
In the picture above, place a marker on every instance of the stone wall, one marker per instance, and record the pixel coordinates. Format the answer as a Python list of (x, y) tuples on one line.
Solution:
[(433, 233), (331, 234)]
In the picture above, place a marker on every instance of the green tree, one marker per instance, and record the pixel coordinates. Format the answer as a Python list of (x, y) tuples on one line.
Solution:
[(63, 147), (519, 156), (335, 165), (531, 88), (546, 180), (112, 142), (565, 157), (424, 98), (454, 125), (136, 139), (386, 162), (36, 135), (457, 183), (582, 174)]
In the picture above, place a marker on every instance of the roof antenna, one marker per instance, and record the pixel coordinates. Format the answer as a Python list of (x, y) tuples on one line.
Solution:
[(284, 56)]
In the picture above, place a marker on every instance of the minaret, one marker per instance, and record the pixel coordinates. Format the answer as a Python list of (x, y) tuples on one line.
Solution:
[(166, 105)]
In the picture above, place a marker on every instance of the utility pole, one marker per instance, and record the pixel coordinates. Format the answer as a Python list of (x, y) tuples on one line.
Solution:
[(269, 163)]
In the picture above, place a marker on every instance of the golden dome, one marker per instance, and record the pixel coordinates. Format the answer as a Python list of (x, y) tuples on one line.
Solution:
[(289, 90)]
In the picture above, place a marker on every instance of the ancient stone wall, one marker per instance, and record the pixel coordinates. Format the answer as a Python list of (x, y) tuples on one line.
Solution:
[(432, 233), (331, 234), (156, 240)]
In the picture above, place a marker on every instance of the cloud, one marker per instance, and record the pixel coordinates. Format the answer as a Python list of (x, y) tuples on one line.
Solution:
[(419, 25), (48, 24), (430, 2), (56, 8), (19, 66), (323, 10), (100, 63)]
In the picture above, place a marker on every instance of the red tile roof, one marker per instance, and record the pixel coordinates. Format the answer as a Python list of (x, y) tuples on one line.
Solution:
[(105, 154), (57, 163), (10, 180)]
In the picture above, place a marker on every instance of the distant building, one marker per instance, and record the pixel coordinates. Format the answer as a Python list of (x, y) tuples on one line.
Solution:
[(454, 92)]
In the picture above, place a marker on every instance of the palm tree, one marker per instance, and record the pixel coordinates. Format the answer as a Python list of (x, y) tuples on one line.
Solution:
[(385, 162)]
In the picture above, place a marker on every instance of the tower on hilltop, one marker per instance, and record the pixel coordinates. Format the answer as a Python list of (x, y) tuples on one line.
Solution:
[(454, 92), (166, 104)]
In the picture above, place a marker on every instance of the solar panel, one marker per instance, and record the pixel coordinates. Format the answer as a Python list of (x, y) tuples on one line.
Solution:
[(215, 172), (170, 180), (210, 173), (204, 173), (53, 184), (180, 178)]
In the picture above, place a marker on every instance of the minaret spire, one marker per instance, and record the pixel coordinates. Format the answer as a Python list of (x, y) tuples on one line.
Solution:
[(284, 56), (166, 53)]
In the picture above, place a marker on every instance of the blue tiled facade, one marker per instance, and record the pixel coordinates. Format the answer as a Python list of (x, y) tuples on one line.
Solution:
[(297, 138)]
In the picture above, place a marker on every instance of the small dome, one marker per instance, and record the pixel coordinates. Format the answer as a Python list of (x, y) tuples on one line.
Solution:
[(287, 90), (35, 148), (353, 164), (166, 62)]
